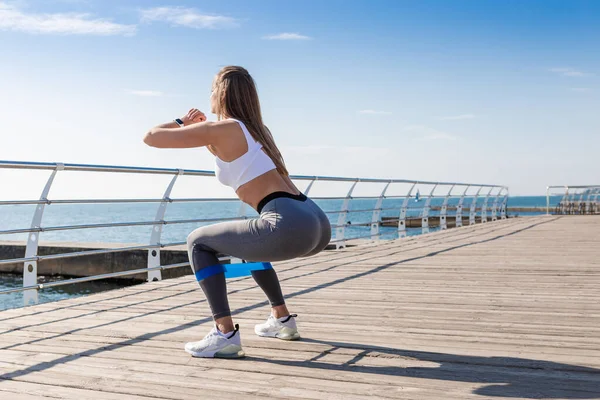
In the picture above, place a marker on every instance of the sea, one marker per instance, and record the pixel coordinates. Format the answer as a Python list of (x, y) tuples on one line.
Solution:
[(19, 216)]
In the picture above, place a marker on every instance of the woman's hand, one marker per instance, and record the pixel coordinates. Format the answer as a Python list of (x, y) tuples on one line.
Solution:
[(193, 117)]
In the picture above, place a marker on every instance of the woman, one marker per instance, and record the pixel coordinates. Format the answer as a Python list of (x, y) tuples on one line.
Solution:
[(290, 225)]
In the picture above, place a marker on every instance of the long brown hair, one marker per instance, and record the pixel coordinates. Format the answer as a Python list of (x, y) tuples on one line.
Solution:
[(237, 98)]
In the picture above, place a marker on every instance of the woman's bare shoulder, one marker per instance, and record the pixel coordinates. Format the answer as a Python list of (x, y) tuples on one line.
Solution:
[(230, 139), (227, 123), (228, 128)]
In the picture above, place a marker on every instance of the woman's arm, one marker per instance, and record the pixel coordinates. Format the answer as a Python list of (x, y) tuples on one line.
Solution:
[(192, 117), (196, 135), (171, 135), (171, 124)]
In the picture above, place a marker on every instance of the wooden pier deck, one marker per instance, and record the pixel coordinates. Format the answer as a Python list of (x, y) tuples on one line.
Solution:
[(509, 309)]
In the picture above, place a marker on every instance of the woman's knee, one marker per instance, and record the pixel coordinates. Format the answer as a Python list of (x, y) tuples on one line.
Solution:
[(191, 239), (200, 253), (197, 238)]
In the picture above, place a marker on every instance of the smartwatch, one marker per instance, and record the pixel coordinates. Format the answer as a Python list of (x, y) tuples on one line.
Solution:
[(179, 122)]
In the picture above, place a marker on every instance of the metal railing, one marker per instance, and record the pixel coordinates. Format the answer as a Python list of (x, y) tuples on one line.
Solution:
[(498, 195), (580, 200)]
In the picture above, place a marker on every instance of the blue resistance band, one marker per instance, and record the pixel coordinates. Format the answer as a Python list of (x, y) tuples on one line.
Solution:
[(232, 270)]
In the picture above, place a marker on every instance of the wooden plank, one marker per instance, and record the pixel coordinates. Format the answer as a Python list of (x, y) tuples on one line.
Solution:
[(26, 390)]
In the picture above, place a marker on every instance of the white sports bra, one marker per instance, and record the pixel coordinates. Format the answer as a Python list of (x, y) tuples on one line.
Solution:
[(248, 166)]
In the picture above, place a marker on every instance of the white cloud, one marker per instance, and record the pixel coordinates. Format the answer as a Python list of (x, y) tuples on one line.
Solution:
[(187, 17), (287, 36), (580, 89), (428, 133), (146, 93), (457, 117), (374, 112), (14, 19), (570, 72)]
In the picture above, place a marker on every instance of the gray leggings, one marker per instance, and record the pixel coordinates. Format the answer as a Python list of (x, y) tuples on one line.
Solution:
[(289, 226)]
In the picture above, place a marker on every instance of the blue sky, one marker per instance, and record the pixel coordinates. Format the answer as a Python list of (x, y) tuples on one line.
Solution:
[(502, 92)]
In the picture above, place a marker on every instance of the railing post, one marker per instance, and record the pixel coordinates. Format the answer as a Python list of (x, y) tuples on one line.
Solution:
[(377, 213), (572, 203), (341, 228), (444, 210), (484, 208), (596, 204), (580, 203), (495, 205), (31, 250), (309, 186), (154, 254), (402, 217), (503, 206), (588, 202), (426, 208), (473, 209), (547, 200), (459, 208), (564, 202)]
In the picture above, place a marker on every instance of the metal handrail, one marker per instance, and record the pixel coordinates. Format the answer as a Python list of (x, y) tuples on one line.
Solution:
[(590, 189), (31, 258), (112, 201), (179, 200), (172, 171)]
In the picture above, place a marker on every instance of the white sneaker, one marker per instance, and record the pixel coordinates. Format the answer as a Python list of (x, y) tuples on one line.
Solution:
[(217, 344), (283, 328)]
